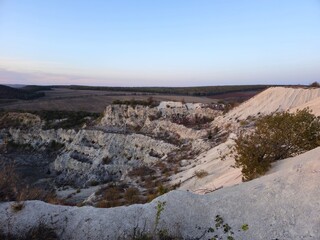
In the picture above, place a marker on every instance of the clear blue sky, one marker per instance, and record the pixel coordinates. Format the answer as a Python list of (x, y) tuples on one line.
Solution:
[(159, 42)]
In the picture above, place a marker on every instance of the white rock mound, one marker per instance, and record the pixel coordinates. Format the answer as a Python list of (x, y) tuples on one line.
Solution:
[(313, 105), (273, 100)]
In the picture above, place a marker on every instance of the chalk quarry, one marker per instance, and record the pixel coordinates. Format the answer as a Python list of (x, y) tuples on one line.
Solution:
[(284, 204)]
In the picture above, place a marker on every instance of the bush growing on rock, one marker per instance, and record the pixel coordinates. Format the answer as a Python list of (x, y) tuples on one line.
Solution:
[(276, 136), (201, 173)]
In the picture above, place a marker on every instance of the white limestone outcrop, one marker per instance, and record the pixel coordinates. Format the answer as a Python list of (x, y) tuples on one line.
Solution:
[(284, 204)]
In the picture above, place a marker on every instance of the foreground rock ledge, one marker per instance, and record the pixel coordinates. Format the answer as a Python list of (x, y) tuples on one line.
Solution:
[(285, 204)]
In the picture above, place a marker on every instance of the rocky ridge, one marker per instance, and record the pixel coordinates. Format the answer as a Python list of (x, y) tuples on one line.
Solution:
[(281, 205)]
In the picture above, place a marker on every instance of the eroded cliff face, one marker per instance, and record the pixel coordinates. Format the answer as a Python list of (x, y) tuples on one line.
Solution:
[(124, 139), (171, 121), (136, 117), (93, 155)]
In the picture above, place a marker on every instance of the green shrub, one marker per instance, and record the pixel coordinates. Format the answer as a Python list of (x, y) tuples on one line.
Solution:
[(276, 136)]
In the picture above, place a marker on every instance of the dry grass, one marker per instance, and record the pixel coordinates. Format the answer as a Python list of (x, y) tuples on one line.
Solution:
[(141, 171), (13, 188), (40, 232), (201, 173), (17, 206)]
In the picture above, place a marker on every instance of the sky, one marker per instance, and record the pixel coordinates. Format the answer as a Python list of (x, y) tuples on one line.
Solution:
[(159, 42)]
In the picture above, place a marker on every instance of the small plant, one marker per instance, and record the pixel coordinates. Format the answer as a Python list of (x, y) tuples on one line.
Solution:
[(201, 173), (243, 123), (245, 227), (93, 183), (160, 207), (162, 190), (219, 231), (223, 230), (17, 206), (106, 160)]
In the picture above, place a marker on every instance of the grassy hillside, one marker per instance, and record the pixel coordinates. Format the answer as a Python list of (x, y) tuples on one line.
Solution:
[(25, 93)]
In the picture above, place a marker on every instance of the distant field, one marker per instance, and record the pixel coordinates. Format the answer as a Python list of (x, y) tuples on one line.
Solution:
[(190, 91), (235, 96), (93, 100), (88, 100)]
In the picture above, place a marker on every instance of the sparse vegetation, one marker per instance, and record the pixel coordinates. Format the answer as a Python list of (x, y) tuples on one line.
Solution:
[(133, 102), (196, 122), (19, 146), (141, 171), (222, 230), (55, 146), (13, 188), (15, 120), (132, 195), (17, 206), (65, 119), (277, 136), (219, 231), (201, 173), (315, 85), (160, 208), (40, 232)]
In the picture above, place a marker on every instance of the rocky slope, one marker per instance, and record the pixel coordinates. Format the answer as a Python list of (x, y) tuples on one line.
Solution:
[(313, 105), (138, 146), (175, 139), (281, 205), (90, 155), (272, 100), (216, 162), (146, 147)]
